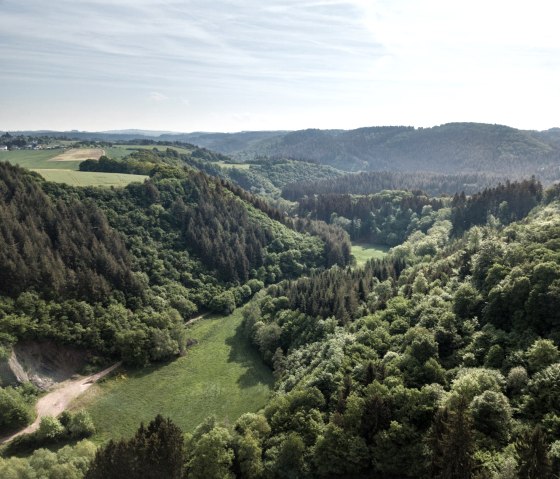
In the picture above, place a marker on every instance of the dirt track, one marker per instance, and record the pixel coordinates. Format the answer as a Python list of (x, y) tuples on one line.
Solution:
[(57, 400)]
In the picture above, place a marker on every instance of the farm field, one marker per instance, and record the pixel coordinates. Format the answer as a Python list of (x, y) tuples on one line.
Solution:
[(79, 154), (88, 178), (36, 159), (366, 251), (221, 375)]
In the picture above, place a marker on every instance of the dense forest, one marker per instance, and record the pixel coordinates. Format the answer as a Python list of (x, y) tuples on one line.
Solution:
[(440, 361), (387, 218), (375, 182), (95, 267)]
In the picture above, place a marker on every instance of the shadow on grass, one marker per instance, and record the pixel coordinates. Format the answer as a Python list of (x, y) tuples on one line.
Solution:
[(241, 352)]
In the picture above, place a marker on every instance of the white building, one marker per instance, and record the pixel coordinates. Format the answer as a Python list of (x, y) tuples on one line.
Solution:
[(3, 148)]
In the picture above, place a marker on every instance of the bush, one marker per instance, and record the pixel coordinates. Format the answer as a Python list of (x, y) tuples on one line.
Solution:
[(50, 428), (80, 425), (14, 411)]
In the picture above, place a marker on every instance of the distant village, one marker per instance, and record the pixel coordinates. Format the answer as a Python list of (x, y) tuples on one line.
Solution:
[(9, 143)]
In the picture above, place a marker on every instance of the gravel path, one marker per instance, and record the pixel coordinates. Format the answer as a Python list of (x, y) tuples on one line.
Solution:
[(59, 398)]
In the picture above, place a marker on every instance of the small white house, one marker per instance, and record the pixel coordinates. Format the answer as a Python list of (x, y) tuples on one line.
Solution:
[(3, 148)]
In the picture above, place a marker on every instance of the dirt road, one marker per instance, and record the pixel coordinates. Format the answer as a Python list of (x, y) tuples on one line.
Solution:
[(59, 398)]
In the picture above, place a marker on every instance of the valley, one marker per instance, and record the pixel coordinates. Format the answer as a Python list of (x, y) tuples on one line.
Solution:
[(220, 375), (276, 309)]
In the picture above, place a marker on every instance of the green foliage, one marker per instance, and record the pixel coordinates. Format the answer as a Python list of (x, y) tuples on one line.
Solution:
[(50, 429), (210, 454), (15, 410), (155, 451), (69, 462), (491, 415), (542, 354), (532, 450)]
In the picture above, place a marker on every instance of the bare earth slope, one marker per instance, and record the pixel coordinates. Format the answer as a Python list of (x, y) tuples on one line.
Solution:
[(56, 401)]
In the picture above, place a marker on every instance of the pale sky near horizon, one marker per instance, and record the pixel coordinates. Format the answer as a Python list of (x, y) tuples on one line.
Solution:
[(232, 65)]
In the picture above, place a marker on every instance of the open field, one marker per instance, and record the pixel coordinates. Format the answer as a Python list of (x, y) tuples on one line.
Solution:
[(365, 251), (36, 159), (221, 375), (239, 166), (88, 178), (79, 154)]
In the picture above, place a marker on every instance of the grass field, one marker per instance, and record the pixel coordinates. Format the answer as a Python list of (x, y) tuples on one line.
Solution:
[(33, 159), (88, 178), (365, 251), (221, 375)]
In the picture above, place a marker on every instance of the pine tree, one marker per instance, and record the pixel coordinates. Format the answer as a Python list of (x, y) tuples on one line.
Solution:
[(532, 449)]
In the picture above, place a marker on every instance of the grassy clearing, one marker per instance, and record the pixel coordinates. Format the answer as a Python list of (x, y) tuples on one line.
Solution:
[(33, 159), (239, 166), (88, 178), (221, 375), (366, 251)]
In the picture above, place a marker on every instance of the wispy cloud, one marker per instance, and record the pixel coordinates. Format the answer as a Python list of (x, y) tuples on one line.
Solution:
[(318, 62), (157, 96)]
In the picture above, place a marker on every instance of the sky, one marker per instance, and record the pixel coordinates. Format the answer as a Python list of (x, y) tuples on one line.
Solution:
[(233, 65)]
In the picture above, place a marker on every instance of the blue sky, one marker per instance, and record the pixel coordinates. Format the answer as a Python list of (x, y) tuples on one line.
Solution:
[(231, 65)]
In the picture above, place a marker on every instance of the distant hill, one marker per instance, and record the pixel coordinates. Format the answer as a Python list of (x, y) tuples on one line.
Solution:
[(450, 149)]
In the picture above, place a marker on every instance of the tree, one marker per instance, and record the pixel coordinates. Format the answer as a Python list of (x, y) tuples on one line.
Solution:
[(50, 428), (340, 454), (491, 415), (532, 450), (14, 412), (81, 425), (154, 452), (541, 354), (211, 455), (455, 444)]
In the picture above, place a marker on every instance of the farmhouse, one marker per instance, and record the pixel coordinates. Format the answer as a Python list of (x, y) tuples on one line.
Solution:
[(3, 148)]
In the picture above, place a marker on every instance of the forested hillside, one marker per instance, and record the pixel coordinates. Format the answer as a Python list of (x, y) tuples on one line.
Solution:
[(118, 271), (443, 368), (440, 361), (450, 148)]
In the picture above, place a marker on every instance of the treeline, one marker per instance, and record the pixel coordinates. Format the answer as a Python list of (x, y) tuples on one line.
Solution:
[(388, 217), (507, 202), (367, 183)]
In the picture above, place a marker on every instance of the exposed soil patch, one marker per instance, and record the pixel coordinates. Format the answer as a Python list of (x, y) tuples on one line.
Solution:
[(58, 400), (42, 363), (80, 154)]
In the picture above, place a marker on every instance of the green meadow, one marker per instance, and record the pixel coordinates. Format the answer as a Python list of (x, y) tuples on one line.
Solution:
[(363, 252), (88, 178), (220, 375), (34, 159)]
